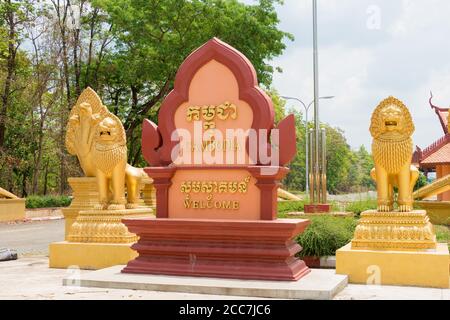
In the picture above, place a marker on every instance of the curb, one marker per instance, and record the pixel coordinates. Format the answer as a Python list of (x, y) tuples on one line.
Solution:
[(46, 218)]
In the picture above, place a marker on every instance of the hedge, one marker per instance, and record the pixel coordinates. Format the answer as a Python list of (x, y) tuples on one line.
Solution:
[(33, 202), (325, 235)]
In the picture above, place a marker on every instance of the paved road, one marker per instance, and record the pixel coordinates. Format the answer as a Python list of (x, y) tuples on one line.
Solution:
[(31, 237), (42, 282)]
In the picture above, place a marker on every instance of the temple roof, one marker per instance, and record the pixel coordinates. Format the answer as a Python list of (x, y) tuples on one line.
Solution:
[(436, 153), (417, 155), (442, 114), (439, 151), (441, 156)]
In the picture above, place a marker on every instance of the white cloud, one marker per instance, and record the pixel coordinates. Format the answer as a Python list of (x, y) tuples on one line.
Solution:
[(342, 71), (419, 16), (406, 57), (428, 127)]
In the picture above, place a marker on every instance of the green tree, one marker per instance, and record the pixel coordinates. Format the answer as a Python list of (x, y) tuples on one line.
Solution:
[(364, 166), (296, 178), (279, 104), (152, 38), (347, 170), (13, 15), (339, 160), (421, 182), (127, 50)]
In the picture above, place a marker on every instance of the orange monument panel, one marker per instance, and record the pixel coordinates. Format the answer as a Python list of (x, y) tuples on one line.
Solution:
[(217, 161)]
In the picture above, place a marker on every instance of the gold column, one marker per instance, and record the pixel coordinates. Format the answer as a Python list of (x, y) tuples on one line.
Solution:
[(85, 197), (317, 173)]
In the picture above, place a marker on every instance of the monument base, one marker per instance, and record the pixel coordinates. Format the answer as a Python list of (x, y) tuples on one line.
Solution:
[(97, 239), (105, 226), (89, 256), (317, 285), (428, 268), (85, 197), (263, 250), (394, 231), (317, 208), (395, 248)]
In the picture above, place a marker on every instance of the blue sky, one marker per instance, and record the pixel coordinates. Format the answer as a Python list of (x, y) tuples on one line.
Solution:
[(369, 49)]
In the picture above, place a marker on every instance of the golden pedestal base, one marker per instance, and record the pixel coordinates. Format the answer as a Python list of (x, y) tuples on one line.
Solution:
[(394, 230), (85, 197), (429, 268), (90, 256), (105, 226), (97, 239), (12, 210), (395, 248)]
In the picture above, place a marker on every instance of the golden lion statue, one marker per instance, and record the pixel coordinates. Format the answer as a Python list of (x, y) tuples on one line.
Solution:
[(391, 128), (97, 138)]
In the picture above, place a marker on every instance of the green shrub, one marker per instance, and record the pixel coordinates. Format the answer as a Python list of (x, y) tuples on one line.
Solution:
[(325, 235), (421, 182), (290, 206), (33, 202), (360, 206)]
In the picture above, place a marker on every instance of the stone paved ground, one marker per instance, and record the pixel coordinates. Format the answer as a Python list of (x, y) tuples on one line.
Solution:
[(30, 278)]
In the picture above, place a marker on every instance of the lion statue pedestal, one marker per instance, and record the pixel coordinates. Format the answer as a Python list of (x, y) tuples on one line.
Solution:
[(97, 235), (97, 239), (12, 208), (394, 247), (84, 197), (111, 191)]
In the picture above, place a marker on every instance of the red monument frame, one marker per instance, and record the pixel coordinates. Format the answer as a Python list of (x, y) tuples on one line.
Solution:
[(247, 249)]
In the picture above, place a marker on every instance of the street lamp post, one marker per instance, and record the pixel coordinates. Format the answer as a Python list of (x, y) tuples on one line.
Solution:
[(317, 137), (316, 156), (306, 107)]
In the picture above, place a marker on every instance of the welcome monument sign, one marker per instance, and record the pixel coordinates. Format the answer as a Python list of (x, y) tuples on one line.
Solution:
[(217, 159)]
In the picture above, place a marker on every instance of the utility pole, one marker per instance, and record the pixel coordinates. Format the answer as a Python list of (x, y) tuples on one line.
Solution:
[(318, 192), (315, 163)]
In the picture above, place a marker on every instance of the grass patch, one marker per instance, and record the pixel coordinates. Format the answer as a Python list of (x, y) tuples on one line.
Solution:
[(285, 207), (325, 235), (360, 206), (34, 202), (442, 234)]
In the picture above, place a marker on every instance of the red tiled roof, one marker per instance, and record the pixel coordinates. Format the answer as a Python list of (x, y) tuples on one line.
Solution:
[(432, 148), (441, 155)]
